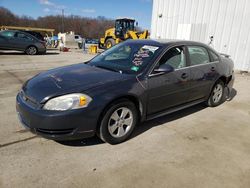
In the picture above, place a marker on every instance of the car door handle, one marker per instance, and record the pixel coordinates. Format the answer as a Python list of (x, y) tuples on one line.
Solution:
[(212, 68), (184, 75)]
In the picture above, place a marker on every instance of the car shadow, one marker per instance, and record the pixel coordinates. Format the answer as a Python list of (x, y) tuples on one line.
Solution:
[(147, 125), (50, 53), (232, 95), (83, 142), (52, 49), (22, 53), (11, 53)]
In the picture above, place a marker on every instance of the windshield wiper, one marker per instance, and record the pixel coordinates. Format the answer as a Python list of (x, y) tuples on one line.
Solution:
[(108, 68)]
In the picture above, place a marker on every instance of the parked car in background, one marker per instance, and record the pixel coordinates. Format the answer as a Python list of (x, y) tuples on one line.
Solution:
[(133, 81), (79, 40), (21, 41)]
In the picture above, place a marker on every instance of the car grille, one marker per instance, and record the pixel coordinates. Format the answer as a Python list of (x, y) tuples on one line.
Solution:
[(54, 132)]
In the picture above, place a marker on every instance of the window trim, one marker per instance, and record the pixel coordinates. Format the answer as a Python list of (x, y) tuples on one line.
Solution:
[(210, 54), (28, 37), (5, 31), (150, 72)]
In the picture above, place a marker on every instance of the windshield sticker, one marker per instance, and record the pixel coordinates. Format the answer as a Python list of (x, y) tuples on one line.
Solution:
[(139, 56), (137, 61), (142, 53), (150, 48), (134, 68), (145, 51)]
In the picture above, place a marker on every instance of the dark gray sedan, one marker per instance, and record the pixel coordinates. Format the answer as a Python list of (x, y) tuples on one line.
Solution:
[(21, 41), (134, 81)]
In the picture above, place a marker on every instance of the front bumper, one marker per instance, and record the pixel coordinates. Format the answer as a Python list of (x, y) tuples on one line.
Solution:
[(57, 125)]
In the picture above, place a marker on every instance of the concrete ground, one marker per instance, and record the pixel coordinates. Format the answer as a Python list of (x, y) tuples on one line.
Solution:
[(196, 147)]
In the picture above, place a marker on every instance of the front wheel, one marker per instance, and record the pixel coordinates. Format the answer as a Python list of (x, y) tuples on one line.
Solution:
[(118, 122), (32, 50), (217, 95)]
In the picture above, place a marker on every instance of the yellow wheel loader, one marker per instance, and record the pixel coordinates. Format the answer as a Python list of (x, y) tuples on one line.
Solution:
[(124, 29)]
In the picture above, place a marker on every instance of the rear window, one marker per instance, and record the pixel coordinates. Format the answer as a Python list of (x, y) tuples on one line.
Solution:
[(214, 56), (198, 55), (23, 36)]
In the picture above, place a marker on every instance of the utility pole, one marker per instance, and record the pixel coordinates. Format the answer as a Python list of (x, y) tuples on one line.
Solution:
[(62, 20)]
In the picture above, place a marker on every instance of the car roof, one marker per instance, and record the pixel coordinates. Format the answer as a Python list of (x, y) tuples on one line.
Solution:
[(177, 41), (16, 31), (169, 42), (125, 18), (21, 31), (10, 30)]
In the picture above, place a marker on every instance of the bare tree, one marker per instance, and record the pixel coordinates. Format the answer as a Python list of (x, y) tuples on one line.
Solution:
[(87, 27)]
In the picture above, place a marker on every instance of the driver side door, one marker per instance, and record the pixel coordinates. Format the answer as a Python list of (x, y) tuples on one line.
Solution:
[(169, 89), (5, 39)]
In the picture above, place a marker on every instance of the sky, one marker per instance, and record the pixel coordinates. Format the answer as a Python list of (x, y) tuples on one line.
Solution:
[(141, 10)]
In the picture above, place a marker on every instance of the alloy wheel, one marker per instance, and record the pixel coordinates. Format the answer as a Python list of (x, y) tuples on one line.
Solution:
[(217, 93), (120, 122), (31, 50)]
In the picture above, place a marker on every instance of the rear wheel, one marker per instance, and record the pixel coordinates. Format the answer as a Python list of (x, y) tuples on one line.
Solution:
[(31, 50), (109, 43), (217, 95), (118, 122)]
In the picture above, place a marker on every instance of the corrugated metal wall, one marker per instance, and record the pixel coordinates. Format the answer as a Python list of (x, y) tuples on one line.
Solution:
[(227, 20)]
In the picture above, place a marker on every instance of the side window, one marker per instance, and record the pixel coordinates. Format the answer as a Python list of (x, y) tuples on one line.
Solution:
[(8, 34), (198, 55), (214, 56), (23, 36), (174, 57)]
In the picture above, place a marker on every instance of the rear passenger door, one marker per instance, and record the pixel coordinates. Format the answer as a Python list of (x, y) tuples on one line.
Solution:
[(203, 72), (22, 41)]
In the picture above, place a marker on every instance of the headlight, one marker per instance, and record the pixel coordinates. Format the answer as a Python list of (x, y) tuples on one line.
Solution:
[(68, 102)]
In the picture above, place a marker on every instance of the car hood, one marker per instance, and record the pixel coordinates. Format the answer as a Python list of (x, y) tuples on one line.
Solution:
[(74, 78)]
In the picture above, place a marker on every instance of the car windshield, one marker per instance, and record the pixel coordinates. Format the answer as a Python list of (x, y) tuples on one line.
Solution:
[(129, 58)]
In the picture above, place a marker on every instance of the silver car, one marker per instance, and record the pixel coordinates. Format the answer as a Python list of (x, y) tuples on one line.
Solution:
[(21, 41)]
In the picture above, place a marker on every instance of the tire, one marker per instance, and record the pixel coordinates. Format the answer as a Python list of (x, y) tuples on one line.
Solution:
[(109, 43), (101, 46), (217, 95), (115, 127), (31, 50)]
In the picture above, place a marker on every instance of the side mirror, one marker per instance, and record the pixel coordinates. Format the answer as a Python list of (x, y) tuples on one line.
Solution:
[(136, 24), (165, 68)]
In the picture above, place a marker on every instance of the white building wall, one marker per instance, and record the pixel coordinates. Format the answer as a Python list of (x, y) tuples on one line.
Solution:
[(227, 20)]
